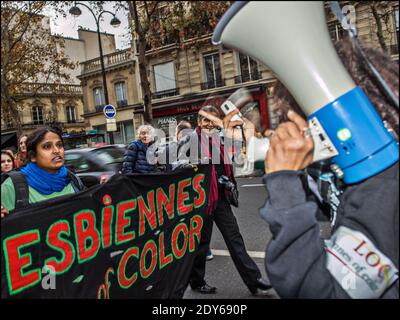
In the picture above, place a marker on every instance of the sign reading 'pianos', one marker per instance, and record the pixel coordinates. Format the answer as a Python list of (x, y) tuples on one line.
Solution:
[(133, 237)]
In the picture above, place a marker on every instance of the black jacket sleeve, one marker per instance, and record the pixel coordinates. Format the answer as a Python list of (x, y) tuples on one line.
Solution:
[(295, 257)]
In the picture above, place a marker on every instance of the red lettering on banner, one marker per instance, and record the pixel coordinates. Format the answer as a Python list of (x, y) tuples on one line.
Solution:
[(196, 223), (164, 260), (179, 252), (123, 222), (147, 212), (197, 180), (83, 234), (106, 226), (66, 248), (17, 280), (124, 281), (151, 247), (182, 196), (167, 203)]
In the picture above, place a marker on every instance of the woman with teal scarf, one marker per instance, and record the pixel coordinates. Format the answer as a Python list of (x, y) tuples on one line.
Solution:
[(45, 173)]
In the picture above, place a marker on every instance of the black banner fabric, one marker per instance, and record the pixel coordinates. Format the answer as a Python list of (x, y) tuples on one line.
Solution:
[(133, 237)]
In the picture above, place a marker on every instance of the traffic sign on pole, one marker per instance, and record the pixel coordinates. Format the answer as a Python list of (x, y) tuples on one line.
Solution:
[(109, 111)]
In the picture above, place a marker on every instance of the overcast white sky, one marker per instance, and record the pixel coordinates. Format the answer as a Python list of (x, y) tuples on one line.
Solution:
[(68, 26)]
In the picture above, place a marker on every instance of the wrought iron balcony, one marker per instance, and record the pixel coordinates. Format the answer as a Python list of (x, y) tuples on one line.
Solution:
[(165, 93), (122, 103), (213, 84), (247, 77), (99, 108)]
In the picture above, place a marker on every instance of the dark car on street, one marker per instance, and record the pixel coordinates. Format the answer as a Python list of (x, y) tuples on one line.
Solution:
[(93, 165)]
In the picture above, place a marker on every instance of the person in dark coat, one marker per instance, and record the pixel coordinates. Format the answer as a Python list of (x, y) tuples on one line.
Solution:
[(206, 139), (361, 257), (135, 160)]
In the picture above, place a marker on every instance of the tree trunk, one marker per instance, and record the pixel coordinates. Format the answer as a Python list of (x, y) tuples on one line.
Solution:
[(379, 31), (144, 82), (15, 116), (11, 107)]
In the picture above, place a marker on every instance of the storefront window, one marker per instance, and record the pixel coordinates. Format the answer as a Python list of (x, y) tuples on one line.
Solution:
[(163, 123), (124, 134)]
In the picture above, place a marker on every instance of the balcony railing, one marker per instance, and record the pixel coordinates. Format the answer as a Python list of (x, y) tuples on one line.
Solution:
[(51, 88), (165, 93), (213, 84), (247, 77), (122, 103), (99, 108), (109, 60)]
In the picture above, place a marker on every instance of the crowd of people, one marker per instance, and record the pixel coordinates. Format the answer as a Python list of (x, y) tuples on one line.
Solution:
[(297, 259)]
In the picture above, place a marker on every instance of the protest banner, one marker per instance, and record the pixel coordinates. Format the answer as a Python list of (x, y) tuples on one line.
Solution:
[(134, 237)]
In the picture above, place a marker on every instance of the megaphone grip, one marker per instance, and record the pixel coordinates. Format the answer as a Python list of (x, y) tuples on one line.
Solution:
[(359, 135)]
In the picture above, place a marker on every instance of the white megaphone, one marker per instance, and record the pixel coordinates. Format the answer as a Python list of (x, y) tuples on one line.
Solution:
[(293, 40)]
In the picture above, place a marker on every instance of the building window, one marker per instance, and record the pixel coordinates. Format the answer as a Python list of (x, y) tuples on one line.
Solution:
[(248, 69), (120, 93), (71, 114), (37, 115), (164, 80), (212, 71), (98, 95), (336, 30)]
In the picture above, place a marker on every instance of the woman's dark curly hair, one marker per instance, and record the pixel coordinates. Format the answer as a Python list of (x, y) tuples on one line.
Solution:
[(358, 71)]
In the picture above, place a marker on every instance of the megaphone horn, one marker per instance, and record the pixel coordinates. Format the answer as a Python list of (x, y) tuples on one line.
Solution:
[(293, 40)]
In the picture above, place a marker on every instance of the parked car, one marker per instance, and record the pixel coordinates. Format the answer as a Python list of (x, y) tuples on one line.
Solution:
[(93, 165)]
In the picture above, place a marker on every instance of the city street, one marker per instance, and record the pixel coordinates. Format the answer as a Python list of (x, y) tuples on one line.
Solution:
[(221, 271)]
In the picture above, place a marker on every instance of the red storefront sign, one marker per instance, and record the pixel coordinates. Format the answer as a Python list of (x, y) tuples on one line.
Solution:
[(259, 97)]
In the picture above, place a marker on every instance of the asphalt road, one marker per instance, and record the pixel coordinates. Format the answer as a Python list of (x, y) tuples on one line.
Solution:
[(221, 272)]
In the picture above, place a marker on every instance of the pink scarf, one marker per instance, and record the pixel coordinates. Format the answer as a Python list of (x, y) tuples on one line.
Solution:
[(213, 195)]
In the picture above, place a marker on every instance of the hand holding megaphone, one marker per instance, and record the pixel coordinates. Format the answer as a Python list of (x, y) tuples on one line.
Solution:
[(291, 147), (230, 126)]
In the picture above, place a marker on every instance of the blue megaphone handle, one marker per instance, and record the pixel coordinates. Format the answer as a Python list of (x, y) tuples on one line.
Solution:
[(355, 128)]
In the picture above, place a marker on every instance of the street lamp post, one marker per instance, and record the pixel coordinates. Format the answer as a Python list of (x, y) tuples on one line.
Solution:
[(115, 22)]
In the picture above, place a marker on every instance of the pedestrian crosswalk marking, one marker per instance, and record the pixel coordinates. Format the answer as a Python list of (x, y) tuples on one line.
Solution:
[(252, 254), (253, 185)]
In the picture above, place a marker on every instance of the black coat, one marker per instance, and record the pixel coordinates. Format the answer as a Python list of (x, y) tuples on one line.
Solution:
[(299, 262)]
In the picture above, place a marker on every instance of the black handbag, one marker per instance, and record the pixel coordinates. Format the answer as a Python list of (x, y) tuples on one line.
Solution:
[(231, 191)]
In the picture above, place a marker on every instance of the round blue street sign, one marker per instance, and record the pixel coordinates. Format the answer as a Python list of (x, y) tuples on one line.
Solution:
[(109, 111)]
